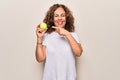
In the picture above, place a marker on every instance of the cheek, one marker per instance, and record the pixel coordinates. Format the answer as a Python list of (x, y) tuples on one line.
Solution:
[(64, 19), (55, 19), (55, 22)]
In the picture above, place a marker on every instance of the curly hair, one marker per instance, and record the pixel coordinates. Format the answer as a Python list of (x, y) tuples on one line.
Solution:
[(69, 26)]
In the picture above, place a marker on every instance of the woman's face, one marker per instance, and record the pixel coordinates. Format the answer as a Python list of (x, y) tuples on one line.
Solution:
[(59, 17)]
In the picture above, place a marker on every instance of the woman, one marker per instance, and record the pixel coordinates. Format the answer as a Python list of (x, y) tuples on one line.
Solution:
[(58, 45)]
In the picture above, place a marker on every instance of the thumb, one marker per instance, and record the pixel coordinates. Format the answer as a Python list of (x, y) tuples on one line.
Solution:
[(43, 32)]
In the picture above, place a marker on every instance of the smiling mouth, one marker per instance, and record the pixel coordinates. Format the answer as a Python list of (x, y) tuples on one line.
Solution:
[(60, 23)]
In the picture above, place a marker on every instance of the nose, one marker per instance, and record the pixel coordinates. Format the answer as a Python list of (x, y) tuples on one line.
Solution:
[(60, 17)]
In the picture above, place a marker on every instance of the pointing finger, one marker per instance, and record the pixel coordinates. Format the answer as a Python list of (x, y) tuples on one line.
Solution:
[(55, 27)]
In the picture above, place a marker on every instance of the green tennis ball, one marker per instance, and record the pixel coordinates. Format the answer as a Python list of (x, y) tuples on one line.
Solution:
[(43, 26)]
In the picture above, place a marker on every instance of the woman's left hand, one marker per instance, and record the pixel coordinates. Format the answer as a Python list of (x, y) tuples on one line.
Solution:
[(61, 31)]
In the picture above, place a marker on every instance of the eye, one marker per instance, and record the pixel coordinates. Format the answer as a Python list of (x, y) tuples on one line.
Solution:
[(62, 15), (56, 15)]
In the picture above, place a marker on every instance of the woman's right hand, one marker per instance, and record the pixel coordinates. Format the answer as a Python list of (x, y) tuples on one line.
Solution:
[(40, 32)]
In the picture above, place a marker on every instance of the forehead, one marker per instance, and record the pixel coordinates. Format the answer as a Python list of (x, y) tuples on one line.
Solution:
[(59, 10)]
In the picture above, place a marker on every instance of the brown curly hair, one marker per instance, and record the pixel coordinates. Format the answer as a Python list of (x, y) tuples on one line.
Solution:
[(69, 26)]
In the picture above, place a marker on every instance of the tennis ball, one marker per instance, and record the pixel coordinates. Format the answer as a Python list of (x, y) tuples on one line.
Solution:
[(43, 26)]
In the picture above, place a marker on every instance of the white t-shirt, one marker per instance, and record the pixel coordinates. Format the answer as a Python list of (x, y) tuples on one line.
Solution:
[(60, 60)]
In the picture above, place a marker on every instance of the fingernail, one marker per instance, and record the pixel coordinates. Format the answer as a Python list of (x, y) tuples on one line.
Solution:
[(53, 26)]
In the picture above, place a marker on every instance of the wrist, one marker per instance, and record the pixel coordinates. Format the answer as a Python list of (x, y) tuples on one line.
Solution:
[(39, 43), (67, 34), (39, 40), (39, 37)]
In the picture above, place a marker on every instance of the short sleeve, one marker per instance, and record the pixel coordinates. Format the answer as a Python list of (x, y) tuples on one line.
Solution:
[(76, 37), (44, 40)]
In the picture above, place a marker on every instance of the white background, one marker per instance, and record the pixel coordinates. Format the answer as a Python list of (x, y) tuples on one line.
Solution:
[(97, 23)]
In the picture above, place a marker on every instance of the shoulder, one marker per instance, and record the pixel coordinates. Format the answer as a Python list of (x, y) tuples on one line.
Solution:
[(74, 34)]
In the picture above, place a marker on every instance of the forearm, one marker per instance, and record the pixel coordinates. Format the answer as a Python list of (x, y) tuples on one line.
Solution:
[(40, 55), (75, 46)]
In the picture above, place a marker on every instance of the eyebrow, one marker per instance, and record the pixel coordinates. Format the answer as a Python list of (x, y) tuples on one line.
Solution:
[(60, 14)]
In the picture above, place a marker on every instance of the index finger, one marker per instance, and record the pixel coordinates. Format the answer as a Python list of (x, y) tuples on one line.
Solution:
[(55, 27)]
